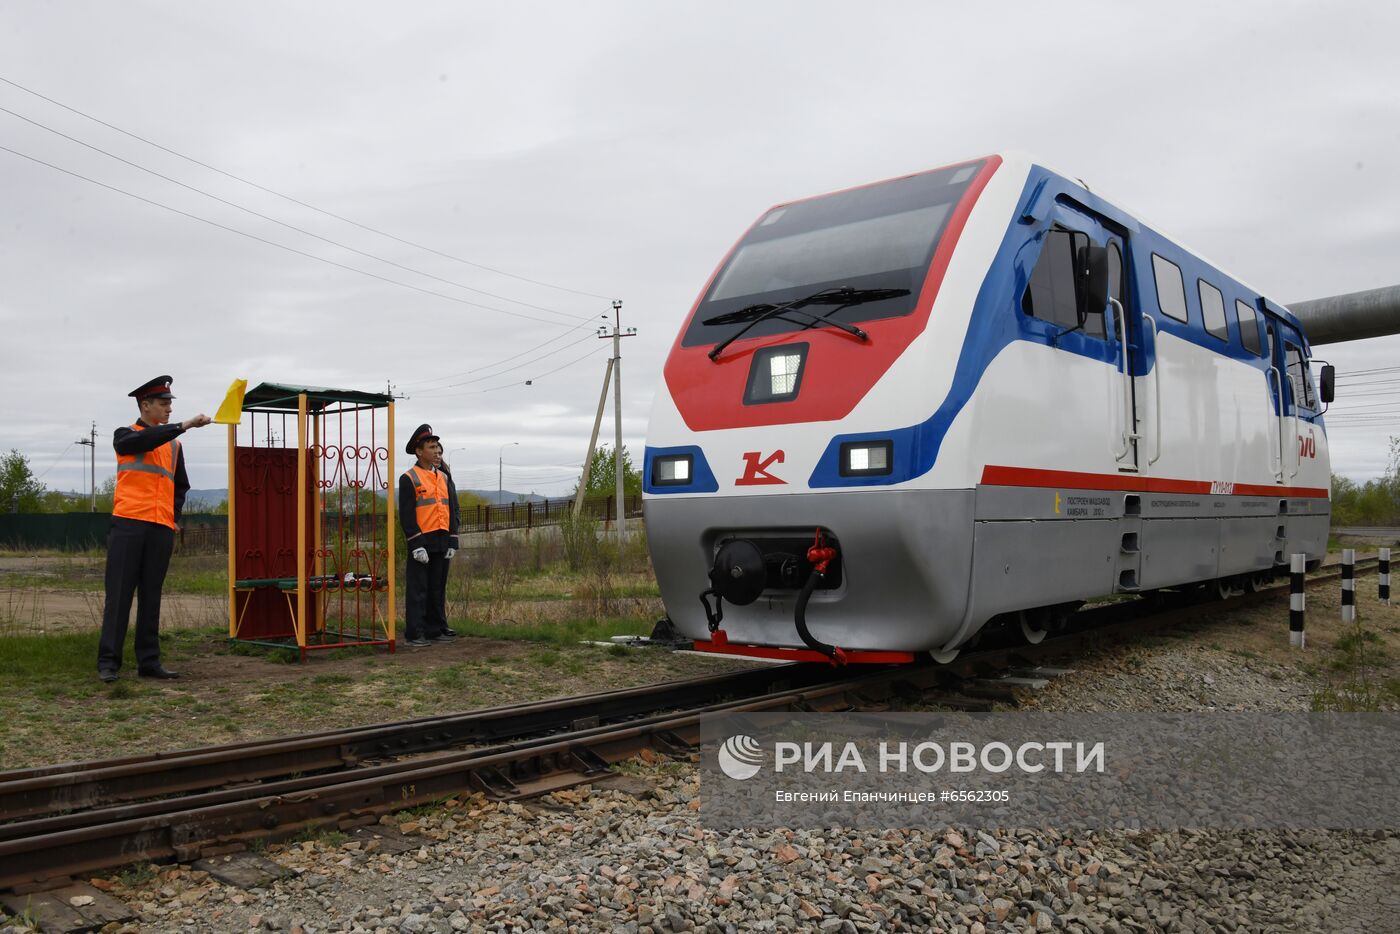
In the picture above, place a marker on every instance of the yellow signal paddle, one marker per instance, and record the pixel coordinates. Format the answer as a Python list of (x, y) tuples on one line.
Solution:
[(231, 409)]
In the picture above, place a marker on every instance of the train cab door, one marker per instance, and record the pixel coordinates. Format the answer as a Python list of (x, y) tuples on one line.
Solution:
[(1057, 291), (1125, 329), (1291, 391)]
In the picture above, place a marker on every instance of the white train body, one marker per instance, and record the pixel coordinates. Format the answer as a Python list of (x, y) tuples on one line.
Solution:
[(984, 445)]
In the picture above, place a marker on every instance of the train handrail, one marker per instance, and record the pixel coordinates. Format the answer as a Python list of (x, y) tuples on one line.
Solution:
[(1120, 319), (1157, 394), (1277, 380), (1293, 442)]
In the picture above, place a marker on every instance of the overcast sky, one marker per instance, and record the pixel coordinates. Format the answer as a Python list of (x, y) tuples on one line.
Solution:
[(616, 149)]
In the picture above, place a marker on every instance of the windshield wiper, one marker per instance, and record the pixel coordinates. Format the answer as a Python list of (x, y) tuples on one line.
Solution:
[(841, 297)]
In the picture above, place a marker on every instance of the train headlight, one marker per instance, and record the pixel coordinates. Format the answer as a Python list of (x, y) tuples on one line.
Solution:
[(672, 470), (867, 458), (776, 374)]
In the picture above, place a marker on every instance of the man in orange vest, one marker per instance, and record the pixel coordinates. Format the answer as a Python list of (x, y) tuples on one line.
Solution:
[(428, 513), (151, 487)]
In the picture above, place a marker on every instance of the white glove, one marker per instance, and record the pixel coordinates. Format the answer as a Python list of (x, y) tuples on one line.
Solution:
[(450, 553), (420, 555)]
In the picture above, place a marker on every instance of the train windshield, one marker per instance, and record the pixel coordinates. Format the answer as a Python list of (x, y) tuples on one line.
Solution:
[(880, 237)]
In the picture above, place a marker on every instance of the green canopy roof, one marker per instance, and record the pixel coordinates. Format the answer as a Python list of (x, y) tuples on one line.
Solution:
[(280, 397)]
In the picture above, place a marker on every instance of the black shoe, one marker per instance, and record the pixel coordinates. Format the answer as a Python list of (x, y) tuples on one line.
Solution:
[(445, 636), (417, 641), (107, 675), (160, 671), (450, 632)]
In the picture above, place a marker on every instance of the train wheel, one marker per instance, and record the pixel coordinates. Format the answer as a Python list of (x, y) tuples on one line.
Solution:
[(1254, 583), (1035, 625), (1227, 587)]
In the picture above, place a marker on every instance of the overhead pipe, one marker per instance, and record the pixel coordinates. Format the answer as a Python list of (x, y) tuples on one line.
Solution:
[(1350, 317)]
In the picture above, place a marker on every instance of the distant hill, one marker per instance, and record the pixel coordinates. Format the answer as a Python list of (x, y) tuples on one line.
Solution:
[(506, 496)]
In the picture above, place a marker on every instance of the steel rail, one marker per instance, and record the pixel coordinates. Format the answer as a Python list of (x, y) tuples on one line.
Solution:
[(1127, 620), (63, 788), (346, 800), (299, 784)]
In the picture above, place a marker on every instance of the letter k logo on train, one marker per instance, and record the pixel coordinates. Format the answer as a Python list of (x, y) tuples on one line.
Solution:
[(756, 471)]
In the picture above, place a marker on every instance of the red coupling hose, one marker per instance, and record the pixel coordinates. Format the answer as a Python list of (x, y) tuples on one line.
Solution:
[(820, 557)]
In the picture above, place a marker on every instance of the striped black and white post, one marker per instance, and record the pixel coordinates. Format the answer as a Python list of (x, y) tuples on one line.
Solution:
[(1348, 585), (1297, 600), (1385, 576)]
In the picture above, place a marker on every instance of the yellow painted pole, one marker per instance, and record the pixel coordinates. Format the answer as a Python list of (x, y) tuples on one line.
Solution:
[(389, 528), (301, 521), (232, 540), (319, 563)]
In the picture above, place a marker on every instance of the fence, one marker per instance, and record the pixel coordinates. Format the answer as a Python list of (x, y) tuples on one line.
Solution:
[(80, 531), (485, 518), (206, 534)]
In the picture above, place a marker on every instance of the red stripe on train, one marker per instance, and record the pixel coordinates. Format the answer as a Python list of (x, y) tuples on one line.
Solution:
[(853, 657), (1031, 476)]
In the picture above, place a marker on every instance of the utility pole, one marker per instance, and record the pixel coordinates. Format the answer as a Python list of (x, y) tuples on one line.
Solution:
[(617, 335), (593, 441), (500, 471), (613, 374), (90, 442)]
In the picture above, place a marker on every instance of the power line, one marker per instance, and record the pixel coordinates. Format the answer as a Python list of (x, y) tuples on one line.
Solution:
[(300, 230), (542, 375), (427, 393), (55, 462), (425, 387), (273, 243), (1371, 372), (312, 207)]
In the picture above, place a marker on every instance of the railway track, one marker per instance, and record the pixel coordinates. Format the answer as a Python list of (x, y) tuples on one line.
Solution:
[(58, 821)]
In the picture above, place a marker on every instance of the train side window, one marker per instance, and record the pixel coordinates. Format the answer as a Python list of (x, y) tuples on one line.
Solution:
[(1171, 292), (1213, 310), (1249, 326), (1299, 376), (1050, 294)]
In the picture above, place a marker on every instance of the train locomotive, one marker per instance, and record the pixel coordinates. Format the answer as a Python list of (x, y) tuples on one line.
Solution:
[(978, 395)]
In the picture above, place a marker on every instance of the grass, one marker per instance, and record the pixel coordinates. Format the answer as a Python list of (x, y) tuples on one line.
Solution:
[(325, 835), (136, 875), (29, 659), (1354, 683)]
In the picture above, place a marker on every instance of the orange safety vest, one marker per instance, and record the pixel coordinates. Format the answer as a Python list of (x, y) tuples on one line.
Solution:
[(430, 499), (146, 484)]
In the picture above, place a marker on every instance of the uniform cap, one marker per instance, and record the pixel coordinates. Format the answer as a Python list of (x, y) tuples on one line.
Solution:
[(421, 433), (158, 388)]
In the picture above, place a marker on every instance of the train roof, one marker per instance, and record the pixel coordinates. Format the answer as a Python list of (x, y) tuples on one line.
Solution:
[(1024, 163)]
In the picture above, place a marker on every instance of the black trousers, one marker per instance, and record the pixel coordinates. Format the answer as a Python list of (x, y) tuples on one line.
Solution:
[(138, 555), (425, 603)]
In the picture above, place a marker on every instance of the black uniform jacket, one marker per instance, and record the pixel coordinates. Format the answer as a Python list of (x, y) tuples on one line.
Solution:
[(130, 441)]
